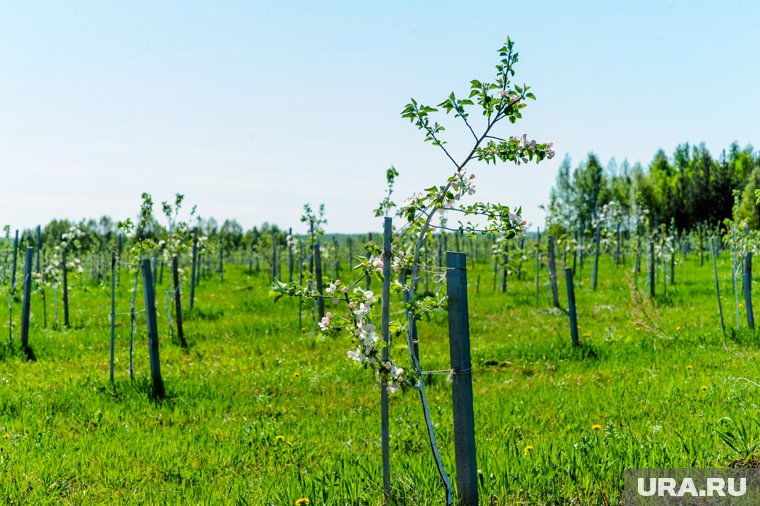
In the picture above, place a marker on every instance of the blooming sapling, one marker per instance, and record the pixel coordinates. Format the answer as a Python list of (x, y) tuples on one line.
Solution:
[(495, 101)]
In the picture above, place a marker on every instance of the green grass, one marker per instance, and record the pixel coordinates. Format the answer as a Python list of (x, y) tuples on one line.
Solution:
[(260, 412)]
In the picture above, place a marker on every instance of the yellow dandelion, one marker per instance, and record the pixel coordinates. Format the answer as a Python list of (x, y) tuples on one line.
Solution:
[(678, 327), (509, 335), (596, 426), (704, 388), (638, 329), (587, 334), (689, 367), (528, 448), (280, 439), (296, 374), (302, 501), (741, 306)]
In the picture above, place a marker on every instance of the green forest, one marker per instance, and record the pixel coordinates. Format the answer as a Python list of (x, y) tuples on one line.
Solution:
[(687, 190)]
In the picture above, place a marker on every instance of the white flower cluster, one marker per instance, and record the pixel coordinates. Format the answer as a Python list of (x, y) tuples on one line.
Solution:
[(324, 323), (398, 261), (412, 201), (368, 339), (74, 233), (365, 304), (366, 335), (512, 96), (396, 374), (377, 263), (76, 263), (518, 222), (497, 249), (334, 289), (462, 185), (202, 242), (291, 241), (611, 212), (530, 145), (364, 331)]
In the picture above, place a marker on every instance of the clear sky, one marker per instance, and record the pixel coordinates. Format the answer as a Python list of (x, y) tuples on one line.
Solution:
[(253, 108)]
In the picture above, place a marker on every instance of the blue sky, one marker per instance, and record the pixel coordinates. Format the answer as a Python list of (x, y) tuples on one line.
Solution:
[(252, 109)]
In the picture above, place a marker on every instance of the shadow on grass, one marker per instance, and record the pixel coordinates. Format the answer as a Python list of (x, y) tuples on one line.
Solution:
[(744, 336), (124, 389), (8, 351), (144, 386), (199, 313), (581, 352), (5, 352), (29, 353)]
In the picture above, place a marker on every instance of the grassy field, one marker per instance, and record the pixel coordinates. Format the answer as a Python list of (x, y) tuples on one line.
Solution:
[(259, 412)]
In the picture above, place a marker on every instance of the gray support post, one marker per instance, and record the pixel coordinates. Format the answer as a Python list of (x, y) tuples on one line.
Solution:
[(571, 306), (369, 277), (65, 289), (386, 318), (150, 319), (221, 261), (461, 385), (747, 282), (194, 267), (717, 286), (290, 256), (118, 260), (320, 282), (26, 303), (300, 282), (39, 248), (178, 301), (274, 257), (538, 263), (113, 314), (651, 269), (553, 273), (15, 262), (12, 289), (595, 274)]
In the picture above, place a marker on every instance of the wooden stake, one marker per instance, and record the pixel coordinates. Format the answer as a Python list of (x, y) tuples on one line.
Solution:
[(150, 319), (461, 384)]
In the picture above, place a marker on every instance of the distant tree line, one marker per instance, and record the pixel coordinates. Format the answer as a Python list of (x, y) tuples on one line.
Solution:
[(103, 234), (691, 188)]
